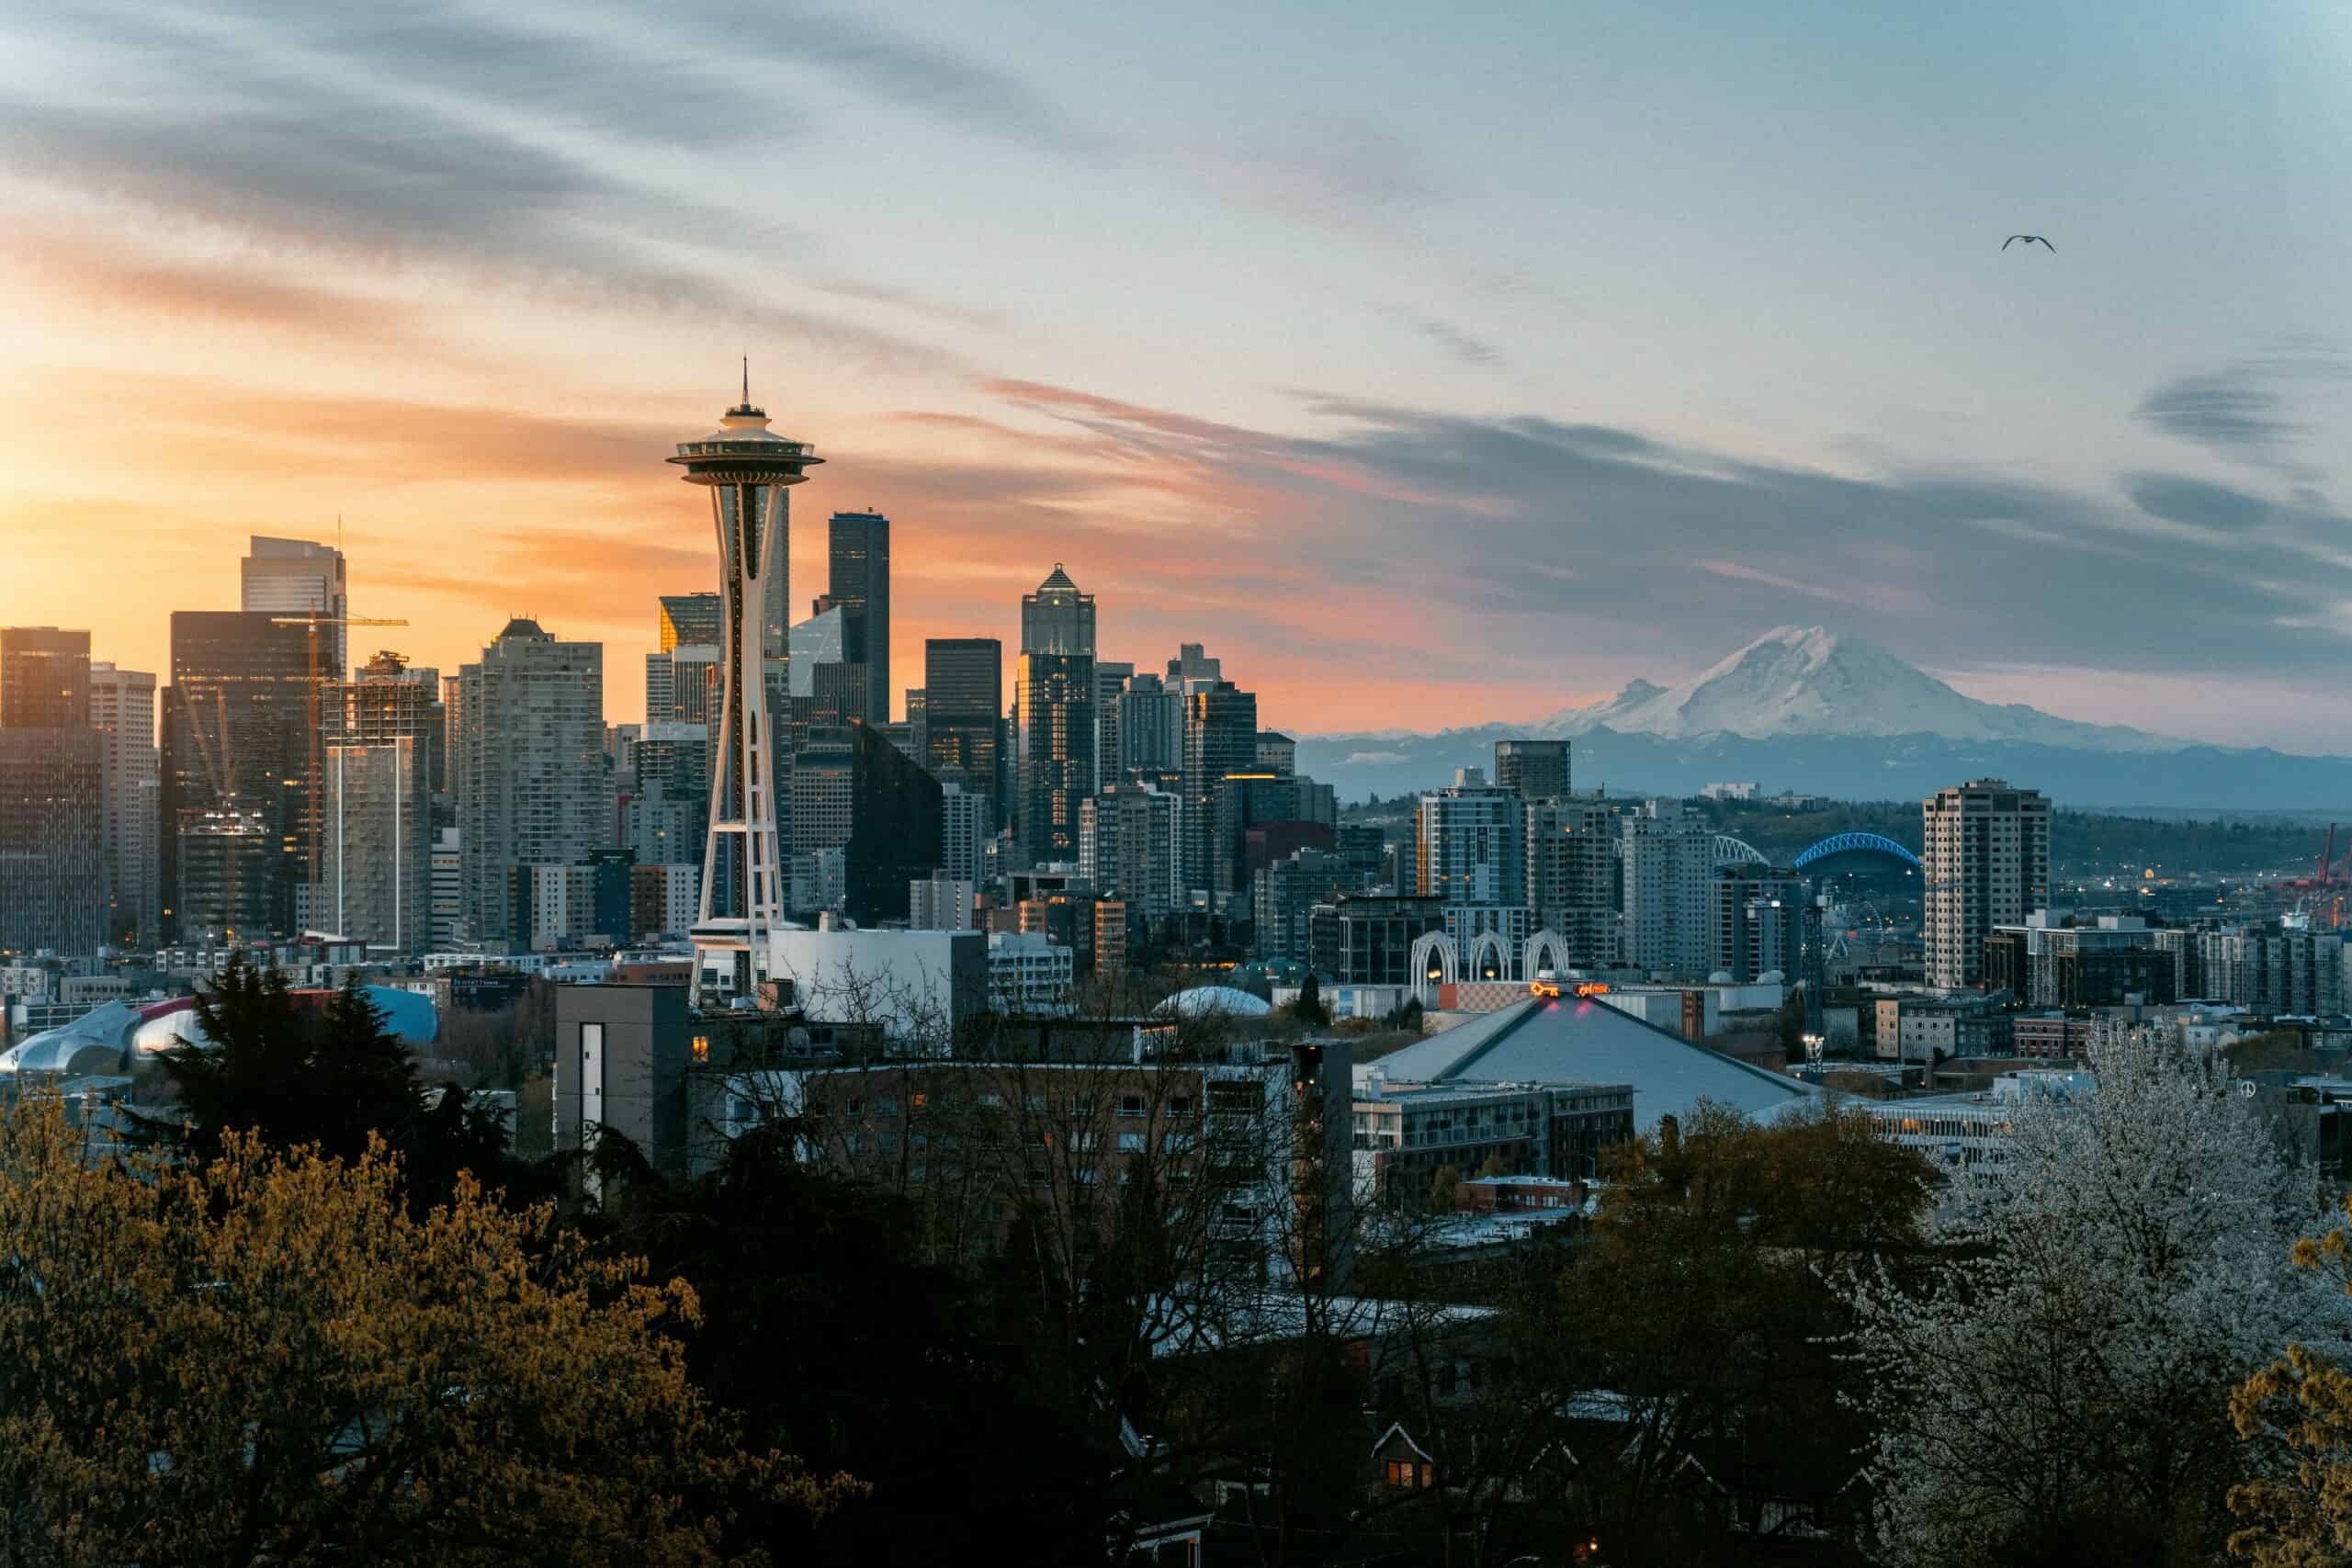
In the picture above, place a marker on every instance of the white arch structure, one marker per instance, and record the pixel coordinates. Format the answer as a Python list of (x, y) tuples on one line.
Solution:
[(1548, 949), (1487, 944), (1738, 852), (1434, 950)]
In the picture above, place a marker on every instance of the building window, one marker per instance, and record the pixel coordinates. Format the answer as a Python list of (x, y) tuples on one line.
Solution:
[(1131, 1107), (1131, 1143)]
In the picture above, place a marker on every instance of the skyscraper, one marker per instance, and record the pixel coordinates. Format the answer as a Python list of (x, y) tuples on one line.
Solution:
[(1057, 618), (1152, 727), (298, 577), (748, 471), (1220, 739), (1668, 863), (1469, 843), (855, 792), (380, 731), (859, 583), (1533, 769), (964, 714), (530, 756), (53, 890), (1054, 699), (689, 618), (236, 761), (1755, 922), (965, 827), (1110, 678), (44, 677), (122, 710), (1128, 848), (1572, 869), (1986, 863)]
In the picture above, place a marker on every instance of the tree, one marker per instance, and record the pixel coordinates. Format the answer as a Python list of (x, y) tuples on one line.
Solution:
[(1442, 1182), (266, 1357), (2297, 1507), (1700, 1324), (1309, 1008), (2056, 1389), (334, 1082)]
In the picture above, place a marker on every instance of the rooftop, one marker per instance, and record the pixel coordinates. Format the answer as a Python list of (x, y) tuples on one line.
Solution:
[(1563, 1041)]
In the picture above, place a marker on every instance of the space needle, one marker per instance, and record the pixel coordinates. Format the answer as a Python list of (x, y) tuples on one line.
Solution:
[(746, 467)]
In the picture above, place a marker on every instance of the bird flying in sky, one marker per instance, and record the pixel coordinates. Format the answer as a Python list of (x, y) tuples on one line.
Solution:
[(2030, 239)]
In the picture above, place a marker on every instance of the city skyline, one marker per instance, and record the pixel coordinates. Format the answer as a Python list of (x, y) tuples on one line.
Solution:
[(1455, 346)]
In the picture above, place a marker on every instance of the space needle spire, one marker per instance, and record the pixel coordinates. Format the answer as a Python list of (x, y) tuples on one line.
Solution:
[(747, 467)]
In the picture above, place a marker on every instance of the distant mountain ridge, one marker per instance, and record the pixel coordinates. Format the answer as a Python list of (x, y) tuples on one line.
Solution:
[(1803, 708)]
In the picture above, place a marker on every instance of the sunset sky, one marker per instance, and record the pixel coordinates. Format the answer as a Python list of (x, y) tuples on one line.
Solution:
[(1430, 364)]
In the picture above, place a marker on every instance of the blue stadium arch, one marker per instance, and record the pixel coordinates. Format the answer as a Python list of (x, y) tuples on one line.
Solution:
[(1844, 843)]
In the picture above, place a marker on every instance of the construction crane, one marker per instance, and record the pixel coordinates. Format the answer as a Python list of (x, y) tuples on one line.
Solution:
[(312, 785)]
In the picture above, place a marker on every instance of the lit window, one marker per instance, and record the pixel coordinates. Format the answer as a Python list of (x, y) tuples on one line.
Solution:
[(702, 1047)]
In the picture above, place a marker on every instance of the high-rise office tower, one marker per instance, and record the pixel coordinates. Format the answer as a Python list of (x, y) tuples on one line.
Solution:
[(966, 825), (1110, 678), (1220, 739), (122, 710), (1668, 861), (748, 471), (689, 618), (1152, 727), (53, 888), (1986, 863), (1277, 754), (964, 714), (1057, 618), (298, 577), (530, 756), (1755, 922), (1192, 664), (44, 677), (380, 731), (1129, 849), (1053, 709), (236, 757), (1572, 870), (1469, 843), (1533, 769), (918, 733), (859, 583), (855, 792)]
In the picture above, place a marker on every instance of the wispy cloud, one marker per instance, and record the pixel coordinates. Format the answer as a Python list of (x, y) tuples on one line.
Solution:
[(1460, 345)]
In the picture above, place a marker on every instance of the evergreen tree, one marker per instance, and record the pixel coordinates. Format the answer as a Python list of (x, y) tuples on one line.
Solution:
[(331, 1081), (1309, 1008)]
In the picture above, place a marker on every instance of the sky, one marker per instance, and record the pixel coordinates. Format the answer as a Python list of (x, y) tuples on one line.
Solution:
[(1431, 365)]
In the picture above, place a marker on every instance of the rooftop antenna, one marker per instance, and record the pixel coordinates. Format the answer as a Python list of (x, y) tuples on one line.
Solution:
[(747, 380)]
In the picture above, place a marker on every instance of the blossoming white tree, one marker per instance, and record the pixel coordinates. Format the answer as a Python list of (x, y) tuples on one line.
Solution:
[(2055, 1385)]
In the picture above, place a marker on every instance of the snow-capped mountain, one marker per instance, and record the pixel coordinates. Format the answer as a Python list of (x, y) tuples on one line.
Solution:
[(1811, 680), (1802, 708)]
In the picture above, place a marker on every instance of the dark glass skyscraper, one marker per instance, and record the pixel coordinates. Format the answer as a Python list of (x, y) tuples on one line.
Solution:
[(1053, 703), (53, 887), (1220, 739), (236, 774), (964, 713), (859, 583)]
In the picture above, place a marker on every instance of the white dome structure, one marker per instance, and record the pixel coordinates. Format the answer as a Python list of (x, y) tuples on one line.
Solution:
[(1214, 1001)]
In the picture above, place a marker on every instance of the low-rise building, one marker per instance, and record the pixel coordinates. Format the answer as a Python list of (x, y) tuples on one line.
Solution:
[(1029, 975), (1404, 1134)]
